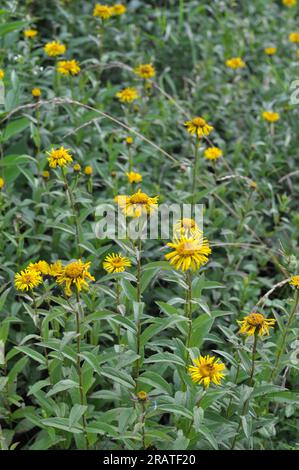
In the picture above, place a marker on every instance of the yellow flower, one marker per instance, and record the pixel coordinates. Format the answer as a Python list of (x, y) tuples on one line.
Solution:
[(199, 127), (295, 281), (134, 177), (2, 183), (116, 263), (2, 74), (77, 167), (253, 184), (289, 3), (129, 140), (68, 67), (54, 48), (145, 71), (206, 369), (30, 33), (213, 153), (142, 395), (36, 92), (118, 9), (270, 116), (189, 252), (294, 37), (103, 11), (256, 322), (187, 227), (74, 275), (55, 268), (27, 279), (270, 50), (41, 267), (46, 174), (59, 157), (235, 63), (127, 95), (138, 204), (88, 170)]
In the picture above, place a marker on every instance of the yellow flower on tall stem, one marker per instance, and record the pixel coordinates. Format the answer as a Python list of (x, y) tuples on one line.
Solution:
[(30, 33), (294, 37), (199, 127), (213, 153), (36, 92), (116, 263), (41, 267), (271, 50), (256, 323), (145, 71), (270, 116), (59, 157), (118, 9), (207, 369), (137, 204), (295, 281), (74, 274), (235, 63), (103, 11), (28, 279), (68, 67), (54, 48), (127, 95), (189, 252), (134, 177)]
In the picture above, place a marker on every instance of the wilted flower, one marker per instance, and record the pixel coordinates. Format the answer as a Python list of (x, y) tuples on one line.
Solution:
[(256, 322), (74, 275)]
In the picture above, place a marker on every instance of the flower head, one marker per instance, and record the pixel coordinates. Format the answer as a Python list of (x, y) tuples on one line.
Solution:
[(59, 157), (189, 252), (187, 227), (74, 275), (271, 116), (134, 177), (142, 395), (103, 11), (77, 167), (256, 322), (235, 63), (54, 48), (46, 174), (127, 95), (116, 263), (289, 3), (295, 281), (28, 279), (2, 183), (41, 267), (129, 140), (270, 50), (199, 127), (2, 74), (36, 92), (213, 153), (145, 71), (294, 37), (206, 369), (30, 33), (55, 268), (88, 170), (68, 67), (138, 204), (118, 9)]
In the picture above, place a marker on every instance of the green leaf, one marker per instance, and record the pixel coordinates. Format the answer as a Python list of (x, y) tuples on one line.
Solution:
[(118, 376), (36, 356), (200, 328), (62, 385), (63, 424), (10, 27), (156, 381), (15, 127), (76, 413)]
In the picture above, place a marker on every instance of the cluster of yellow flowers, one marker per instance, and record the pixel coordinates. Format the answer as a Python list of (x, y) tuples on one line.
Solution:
[(105, 11)]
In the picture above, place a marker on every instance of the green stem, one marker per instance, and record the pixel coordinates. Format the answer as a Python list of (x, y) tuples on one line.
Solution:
[(195, 168), (73, 207), (189, 306), (137, 366), (284, 335)]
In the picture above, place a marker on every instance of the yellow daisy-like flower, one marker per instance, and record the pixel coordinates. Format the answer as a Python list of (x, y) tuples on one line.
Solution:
[(142, 395), (256, 322), (270, 50), (235, 63), (59, 157), (118, 9), (271, 116), (116, 263), (68, 67), (74, 275), (55, 268), (207, 369), (46, 174), (134, 177), (187, 227), (28, 279), (30, 33), (289, 3), (127, 95), (103, 11), (295, 281), (54, 48), (213, 153), (36, 92), (199, 127), (189, 252), (77, 167), (138, 204), (129, 140), (41, 267), (294, 37), (88, 170), (145, 71), (2, 183), (2, 74)]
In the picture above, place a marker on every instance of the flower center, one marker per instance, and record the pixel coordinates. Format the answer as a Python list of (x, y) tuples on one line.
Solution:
[(117, 262), (74, 270), (139, 198), (199, 122), (187, 248), (207, 370), (255, 319)]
